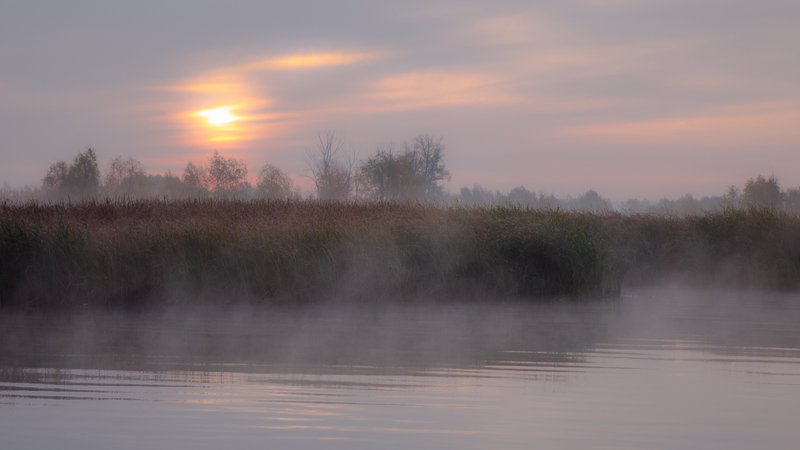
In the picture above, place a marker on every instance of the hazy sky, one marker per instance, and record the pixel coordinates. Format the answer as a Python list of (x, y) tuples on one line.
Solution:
[(634, 98)]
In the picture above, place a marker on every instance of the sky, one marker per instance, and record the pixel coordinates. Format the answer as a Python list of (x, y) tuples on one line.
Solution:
[(632, 98)]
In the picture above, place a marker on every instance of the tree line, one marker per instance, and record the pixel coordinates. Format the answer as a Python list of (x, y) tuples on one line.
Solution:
[(413, 171), (220, 177), (759, 192)]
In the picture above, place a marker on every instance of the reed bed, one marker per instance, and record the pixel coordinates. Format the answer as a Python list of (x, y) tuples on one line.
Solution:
[(149, 253)]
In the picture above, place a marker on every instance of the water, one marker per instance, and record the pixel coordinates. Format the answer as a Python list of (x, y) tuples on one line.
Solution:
[(666, 369)]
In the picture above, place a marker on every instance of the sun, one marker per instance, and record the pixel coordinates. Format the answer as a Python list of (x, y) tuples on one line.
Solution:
[(218, 117)]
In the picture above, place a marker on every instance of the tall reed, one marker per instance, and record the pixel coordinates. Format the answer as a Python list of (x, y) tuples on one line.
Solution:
[(136, 254)]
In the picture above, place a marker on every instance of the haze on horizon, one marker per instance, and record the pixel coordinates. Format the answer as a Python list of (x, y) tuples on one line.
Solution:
[(632, 98)]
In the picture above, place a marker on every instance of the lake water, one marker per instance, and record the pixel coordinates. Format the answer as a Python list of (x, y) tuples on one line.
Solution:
[(658, 369)]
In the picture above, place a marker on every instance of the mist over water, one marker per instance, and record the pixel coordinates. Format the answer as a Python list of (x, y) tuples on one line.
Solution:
[(665, 367), (381, 335)]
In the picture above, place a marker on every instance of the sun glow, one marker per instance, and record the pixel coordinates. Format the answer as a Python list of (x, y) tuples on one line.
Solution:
[(229, 106), (218, 117)]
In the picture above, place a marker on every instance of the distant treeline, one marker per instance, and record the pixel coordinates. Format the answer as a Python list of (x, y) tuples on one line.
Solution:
[(757, 193), (195, 252), (410, 172)]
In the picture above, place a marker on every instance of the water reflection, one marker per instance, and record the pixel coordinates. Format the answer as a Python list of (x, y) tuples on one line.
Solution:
[(716, 372), (337, 339)]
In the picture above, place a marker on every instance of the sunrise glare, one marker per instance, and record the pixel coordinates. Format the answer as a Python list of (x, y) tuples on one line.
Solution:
[(217, 117)]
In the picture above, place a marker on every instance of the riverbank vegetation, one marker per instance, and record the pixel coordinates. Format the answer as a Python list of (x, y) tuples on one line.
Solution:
[(149, 253)]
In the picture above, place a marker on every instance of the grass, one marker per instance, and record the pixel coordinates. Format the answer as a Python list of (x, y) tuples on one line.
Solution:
[(137, 254)]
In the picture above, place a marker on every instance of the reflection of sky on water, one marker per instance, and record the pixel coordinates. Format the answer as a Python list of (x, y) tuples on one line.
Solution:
[(625, 394), (628, 384)]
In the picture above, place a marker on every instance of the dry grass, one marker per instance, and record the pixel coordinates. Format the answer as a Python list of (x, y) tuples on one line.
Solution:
[(149, 253)]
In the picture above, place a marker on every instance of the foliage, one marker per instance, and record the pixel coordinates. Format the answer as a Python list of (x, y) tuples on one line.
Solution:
[(762, 193), (226, 176), (79, 180), (412, 172), (273, 184), (134, 254), (411, 175), (387, 176)]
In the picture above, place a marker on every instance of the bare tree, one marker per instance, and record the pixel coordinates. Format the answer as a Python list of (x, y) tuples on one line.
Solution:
[(429, 153), (126, 177), (332, 175)]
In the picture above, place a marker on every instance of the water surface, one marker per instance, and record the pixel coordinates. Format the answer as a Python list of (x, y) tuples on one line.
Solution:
[(666, 369)]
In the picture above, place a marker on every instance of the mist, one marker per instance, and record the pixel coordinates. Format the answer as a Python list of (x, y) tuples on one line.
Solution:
[(362, 225)]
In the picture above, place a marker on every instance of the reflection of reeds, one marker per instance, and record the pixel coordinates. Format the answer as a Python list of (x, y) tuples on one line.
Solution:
[(128, 254)]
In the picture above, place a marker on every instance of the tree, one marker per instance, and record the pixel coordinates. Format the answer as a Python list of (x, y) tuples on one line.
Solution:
[(792, 200), (83, 178), (227, 176), (273, 184), (387, 176), (478, 195), (687, 206), (636, 206), (521, 196), (428, 153), (126, 177), (195, 176), (195, 183), (413, 174), (333, 178), (732, 198), (591, 201), (762, 193), (53, 182), (79, 180)]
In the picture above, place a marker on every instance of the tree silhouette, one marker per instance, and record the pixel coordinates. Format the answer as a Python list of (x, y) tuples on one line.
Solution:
[(333, 177), (762, 193), (273, 184), (227, 177), (126, 177), (77, 181), (413, 174)]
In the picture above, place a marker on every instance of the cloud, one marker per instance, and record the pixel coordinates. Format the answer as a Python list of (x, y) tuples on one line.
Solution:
[(753, 124), (517, 30), (508, 83), (237, 89), (303, 61), (437, 88)]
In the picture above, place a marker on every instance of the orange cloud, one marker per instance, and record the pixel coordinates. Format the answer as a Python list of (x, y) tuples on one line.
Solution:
[(219, 92), (301, 61), (232, 90)]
